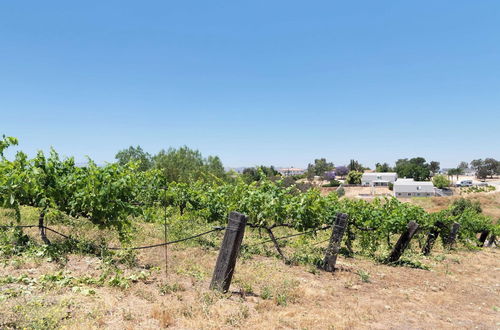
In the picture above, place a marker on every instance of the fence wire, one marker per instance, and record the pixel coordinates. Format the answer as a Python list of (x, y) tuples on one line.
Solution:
[(122, 248)]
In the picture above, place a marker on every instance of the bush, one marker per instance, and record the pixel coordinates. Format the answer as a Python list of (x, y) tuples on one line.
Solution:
[(440, 181), (333, 183), (354, 177)]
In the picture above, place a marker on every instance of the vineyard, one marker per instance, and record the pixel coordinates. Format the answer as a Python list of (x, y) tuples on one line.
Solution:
[(116, 213)]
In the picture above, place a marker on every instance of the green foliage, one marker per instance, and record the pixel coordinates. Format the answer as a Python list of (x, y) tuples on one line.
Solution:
[(6, 142), (105, 195), (137, 155), (354, 165), (415, 168), (383, 167), (455, 171), (186, 165), (114, 196), (441, 181), (333, 183), (476, 189), (354, 177), (363, 275), (319, 168), (253, 174)]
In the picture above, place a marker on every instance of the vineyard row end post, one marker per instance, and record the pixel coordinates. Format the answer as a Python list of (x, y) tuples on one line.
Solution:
[(403, 242), (453, 234), (338, 230), (226, 261)]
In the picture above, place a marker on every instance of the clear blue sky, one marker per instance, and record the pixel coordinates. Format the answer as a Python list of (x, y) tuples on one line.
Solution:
[(255, 82)]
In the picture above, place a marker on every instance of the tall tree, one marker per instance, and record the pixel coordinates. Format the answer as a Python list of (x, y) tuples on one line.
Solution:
[(415, 168), (354, 165), (251, 174), (383, 167), (341, 171), (180, 165), (135, 154), (492, 166), (434, 167), (213, 165), (320, 167)]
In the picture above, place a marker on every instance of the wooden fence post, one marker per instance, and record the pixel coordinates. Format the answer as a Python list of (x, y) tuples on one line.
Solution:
[(482, 238), (453, 234), (226, 261), (332, 251), (431, 238), (403, 241)]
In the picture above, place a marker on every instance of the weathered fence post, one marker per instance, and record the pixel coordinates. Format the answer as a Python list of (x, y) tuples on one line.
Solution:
[(453, 234), (332, 251), (403, 241), (482, 238), (226, 261), (431, 238)]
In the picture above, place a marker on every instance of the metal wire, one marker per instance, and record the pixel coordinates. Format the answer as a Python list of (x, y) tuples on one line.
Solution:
[(124, 248)]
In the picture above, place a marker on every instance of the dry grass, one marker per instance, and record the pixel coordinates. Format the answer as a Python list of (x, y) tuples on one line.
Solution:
[(461, 291), (490, 202)]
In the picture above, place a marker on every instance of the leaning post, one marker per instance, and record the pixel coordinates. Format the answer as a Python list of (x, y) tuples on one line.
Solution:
[(431, 238), (403, 241), (332, 251), (226, 261), (482, 237), (453, 234)]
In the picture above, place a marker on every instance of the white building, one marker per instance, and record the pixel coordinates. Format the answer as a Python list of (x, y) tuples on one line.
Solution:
[(291, 171), (378, 178), (411, 188)]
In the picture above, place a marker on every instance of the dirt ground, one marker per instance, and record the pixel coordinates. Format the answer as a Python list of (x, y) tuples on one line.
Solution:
[(461, 290), (366, 192)]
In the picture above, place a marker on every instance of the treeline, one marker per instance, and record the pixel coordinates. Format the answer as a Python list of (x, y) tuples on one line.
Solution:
[(419, 169), (178, 165)]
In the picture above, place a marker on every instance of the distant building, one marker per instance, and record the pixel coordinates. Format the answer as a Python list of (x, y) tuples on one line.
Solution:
[(291, 171), (378, 178), (411, 188)]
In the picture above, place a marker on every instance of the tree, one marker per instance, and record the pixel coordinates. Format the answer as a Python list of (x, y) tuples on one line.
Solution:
[(320, 167), (383, 167), (440, 181), (455, 171), (135, 154), (482, 172), (253, 174), (463, 165), (484, 168), (214, 166), (354, 177), (415, 168), (492, 166), (341, 171), (434, 167), (354, 165), (180, 165)]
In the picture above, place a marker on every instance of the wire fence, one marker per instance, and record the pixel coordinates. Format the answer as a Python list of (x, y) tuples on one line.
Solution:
[(220, 228), (214, 229)]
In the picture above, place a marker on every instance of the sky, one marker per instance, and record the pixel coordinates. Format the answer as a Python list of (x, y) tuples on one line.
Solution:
[(254, 82)]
